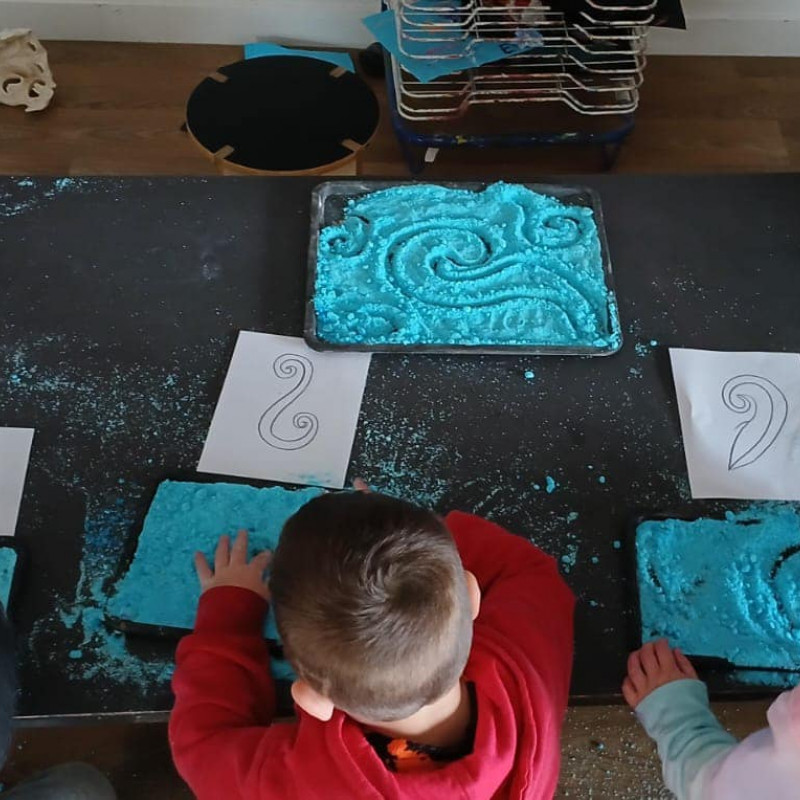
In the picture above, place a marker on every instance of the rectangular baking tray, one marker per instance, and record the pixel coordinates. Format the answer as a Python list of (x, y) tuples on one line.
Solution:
[(328, 202), (704, 664)]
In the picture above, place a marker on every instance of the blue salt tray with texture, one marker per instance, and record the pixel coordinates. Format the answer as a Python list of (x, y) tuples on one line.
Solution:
[(9, 558), (460, 268), (160, 588), (724, 588)]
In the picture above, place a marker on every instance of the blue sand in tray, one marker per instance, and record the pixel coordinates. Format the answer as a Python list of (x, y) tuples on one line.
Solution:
[(725, 588), (161, 587), (428, 265), (8, 560), (551, 484)]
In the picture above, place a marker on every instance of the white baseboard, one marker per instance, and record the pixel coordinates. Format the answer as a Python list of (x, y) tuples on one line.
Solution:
[(716, 27)]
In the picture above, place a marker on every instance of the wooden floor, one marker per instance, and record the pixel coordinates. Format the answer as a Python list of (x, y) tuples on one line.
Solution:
[(119, 109)]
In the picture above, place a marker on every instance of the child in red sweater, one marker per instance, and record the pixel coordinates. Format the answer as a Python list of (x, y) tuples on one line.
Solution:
[(432, 656)]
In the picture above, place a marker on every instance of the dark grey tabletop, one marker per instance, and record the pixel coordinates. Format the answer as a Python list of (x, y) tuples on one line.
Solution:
[(120, 305)]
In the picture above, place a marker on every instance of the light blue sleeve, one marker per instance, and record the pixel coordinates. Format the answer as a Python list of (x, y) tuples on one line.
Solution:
[(688, 735)]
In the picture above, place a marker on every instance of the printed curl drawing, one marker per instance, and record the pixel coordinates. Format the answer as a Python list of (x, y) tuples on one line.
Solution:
[(306, 425), (766, 409)]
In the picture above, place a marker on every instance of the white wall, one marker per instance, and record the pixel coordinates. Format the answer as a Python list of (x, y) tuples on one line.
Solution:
[(718, 27)]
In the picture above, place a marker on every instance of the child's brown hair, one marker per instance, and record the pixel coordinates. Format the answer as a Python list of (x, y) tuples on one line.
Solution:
[(372, 604)]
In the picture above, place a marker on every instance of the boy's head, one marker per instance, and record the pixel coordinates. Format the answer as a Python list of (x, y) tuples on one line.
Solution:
[(373, 606)]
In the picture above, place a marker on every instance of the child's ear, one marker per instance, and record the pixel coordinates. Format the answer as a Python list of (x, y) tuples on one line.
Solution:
[(474, 591), (311, 701)]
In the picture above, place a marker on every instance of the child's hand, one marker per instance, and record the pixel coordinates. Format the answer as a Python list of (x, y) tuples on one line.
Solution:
[(655, 665), (360, 485), (231, 567)]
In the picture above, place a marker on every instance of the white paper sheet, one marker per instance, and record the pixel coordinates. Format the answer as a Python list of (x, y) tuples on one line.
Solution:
[(740, 417), (286, 413), (15, 450)]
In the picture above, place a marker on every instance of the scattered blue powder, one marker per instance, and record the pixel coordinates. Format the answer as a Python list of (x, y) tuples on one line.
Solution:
[(570, 558), (572, 516), (593, 603), (601, 478), (75, 654), (617, 544), (529, 374), (636, 372), (550, 484), (641, 349), (428, 265), (726, 588), (161, 587), (537, 486), (595, 560), (8, 560), (654, 343)]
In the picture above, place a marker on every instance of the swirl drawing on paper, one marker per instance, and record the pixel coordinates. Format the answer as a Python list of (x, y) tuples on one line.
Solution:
[(764, 409), (424, 264), (278, 427)]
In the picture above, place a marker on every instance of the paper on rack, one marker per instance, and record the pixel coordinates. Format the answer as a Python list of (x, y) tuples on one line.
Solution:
[(740, 417), (15, 450), (429, 54), (286, 413)]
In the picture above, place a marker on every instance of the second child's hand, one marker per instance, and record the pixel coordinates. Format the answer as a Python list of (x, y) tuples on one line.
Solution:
[(231, 567)]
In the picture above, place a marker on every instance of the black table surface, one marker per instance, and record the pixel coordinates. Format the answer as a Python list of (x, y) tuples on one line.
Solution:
[(121, 302)]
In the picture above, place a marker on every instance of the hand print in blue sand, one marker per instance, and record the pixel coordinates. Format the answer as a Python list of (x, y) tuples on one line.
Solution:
[(441, 268), (160, 587), (727, 588)]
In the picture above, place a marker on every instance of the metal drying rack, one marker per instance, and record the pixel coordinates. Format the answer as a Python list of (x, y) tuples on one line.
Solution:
[(590, 60)]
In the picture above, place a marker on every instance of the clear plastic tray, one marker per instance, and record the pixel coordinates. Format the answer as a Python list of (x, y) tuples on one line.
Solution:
[(328, 202)]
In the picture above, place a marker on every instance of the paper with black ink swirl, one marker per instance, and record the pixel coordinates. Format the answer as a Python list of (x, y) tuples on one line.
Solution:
[(740, 417), (286, 413)]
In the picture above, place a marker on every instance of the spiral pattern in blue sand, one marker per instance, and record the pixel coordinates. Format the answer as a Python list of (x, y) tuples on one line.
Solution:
[(726, 588), (429, 265)]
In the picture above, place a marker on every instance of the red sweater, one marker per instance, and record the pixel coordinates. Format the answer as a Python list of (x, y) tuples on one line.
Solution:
[(226, 748)]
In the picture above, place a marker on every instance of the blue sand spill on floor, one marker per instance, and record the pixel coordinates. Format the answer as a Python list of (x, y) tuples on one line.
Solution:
[(727, 588), (161, 586), (424, 264), (8, 560)]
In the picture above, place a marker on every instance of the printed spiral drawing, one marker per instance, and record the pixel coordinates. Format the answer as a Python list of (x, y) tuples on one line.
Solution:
[(766, 409), (306, 425)]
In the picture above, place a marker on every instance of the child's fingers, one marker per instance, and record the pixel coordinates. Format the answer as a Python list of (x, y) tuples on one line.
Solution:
[(629, 693), (635, 671), (360, 485), (648, 659), (663, 653), (204, 572), (261, 561), (684, 664), (239, 549), (222, 555)]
